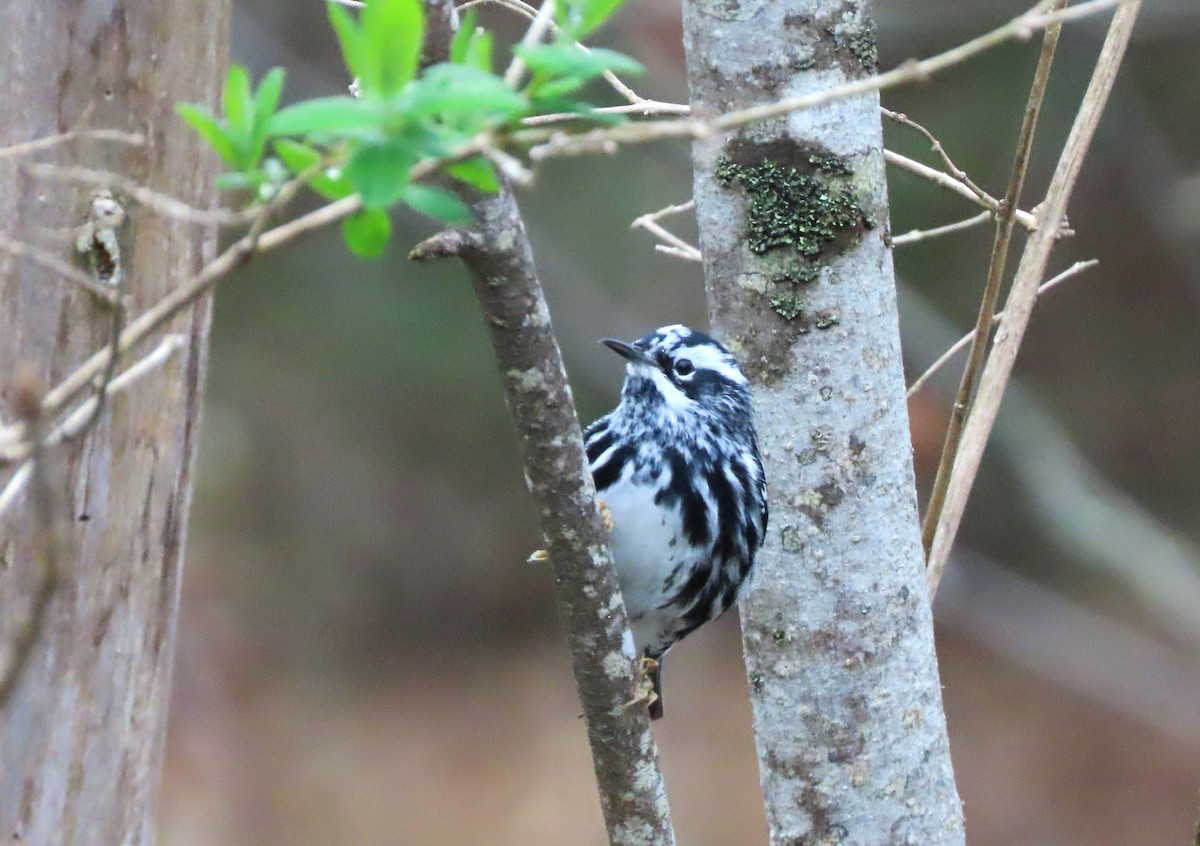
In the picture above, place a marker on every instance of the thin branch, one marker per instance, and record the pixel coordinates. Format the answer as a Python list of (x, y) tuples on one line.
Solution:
[(915, 235), (153, 200), (15, 655), (80, 419), (945, 180), (58, 266), (547, 144), (1024, 289), (640, 107), (919, 382), (991, 288), (674, 245), (955, 171), (523, 8), (11, 446), (135, 139), (542, 23)]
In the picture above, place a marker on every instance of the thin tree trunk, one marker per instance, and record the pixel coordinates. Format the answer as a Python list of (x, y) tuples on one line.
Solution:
[(84, 678), (837, 630)]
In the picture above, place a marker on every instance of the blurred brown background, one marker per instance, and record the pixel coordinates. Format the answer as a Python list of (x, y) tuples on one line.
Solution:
[(364, 655)]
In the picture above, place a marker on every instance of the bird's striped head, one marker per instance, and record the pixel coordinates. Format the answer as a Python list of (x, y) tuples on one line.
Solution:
[(685, 369)]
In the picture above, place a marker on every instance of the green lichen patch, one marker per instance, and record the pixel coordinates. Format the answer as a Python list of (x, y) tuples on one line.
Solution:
[(789, 304), (861, 44), (784, 293), (831, 164), (790, 208)]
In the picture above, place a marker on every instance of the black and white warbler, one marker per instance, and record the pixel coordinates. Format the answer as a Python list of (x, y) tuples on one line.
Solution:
[(677, 465)]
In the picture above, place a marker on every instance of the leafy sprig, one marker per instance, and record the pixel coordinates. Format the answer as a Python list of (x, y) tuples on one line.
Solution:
[(369, 143)]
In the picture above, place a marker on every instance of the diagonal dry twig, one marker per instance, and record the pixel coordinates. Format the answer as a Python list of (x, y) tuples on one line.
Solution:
[(1024, 290), (940, 362), (955, 171), (673, 244), (916, 235), (80, 419), (995, 275)]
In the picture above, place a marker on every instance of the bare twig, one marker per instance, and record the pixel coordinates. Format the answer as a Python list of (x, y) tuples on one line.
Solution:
[(135, 139), (1024, 290), (528, 11), (22, 634), (991, 288), (547, 143), (916, 235), (919, 382), (955, 171), (56, 265), (153, 200), (11, 446), (80, 419), (945, 180), (674, 245), (641, 107), (542, 23)]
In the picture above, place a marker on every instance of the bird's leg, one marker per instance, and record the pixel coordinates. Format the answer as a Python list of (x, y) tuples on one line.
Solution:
[(647, 688)]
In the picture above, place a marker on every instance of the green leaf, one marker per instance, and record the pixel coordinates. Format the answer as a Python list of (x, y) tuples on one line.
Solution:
[(479, 51), (238, 103), (330, 183), (476, 172), (327, 114), (472, 46), (367, 232), (298, 157), (349, 38), (436, 202), (554, 90), (266, 99), (462, 39), (209, 129), (568, 60), (459, 91), (380, 171), (581, 17), (392, 34)]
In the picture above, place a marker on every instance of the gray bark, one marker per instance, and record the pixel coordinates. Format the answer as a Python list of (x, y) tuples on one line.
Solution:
[(499, 260), (837, 630), (82, 718)]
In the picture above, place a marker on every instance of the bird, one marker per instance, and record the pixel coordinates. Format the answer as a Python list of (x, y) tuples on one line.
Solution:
[(677, 467)]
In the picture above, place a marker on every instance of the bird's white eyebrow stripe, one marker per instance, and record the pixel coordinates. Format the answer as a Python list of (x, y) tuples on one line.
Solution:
[(710, 358)]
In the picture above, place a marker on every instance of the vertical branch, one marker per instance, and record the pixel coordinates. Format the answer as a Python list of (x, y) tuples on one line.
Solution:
[(499, 261), (1005, 219), (837, 628), (1019, 305)]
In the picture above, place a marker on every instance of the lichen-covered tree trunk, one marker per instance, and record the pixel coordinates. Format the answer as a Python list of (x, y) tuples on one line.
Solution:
[(82, 719), (837, 630)]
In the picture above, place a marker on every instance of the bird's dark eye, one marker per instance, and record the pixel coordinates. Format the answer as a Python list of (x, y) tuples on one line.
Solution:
[(683, 367)]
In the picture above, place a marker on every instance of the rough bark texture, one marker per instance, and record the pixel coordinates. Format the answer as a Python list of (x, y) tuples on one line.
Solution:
[(837, 630), (499, 259), (82, 728)]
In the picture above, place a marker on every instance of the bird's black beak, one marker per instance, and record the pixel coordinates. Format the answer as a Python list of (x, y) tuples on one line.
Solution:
[(627, 351)]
